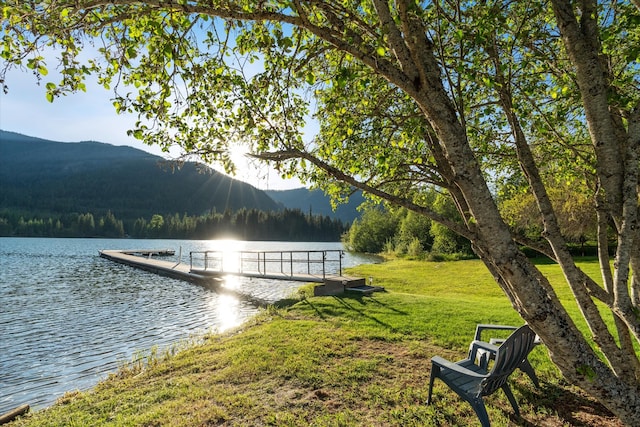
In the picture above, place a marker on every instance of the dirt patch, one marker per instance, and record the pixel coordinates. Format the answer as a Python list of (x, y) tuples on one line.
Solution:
[(409, 364), (580, 410)]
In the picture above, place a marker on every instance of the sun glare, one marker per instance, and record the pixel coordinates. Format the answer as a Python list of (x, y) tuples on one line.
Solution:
[(238, 155), (228, 254), (232, 281), (227, 311)]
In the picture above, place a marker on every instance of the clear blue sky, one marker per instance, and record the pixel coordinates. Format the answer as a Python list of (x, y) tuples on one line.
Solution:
[(90, 116)]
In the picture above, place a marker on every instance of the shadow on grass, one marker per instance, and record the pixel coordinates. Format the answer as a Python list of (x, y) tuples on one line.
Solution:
[(352, 303), (347, 302), (570, 406), (318, 312), (362, 299), (550, 405)]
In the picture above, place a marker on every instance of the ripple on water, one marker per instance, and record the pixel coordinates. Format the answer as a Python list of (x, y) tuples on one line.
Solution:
[(68, 317), (75, 318)]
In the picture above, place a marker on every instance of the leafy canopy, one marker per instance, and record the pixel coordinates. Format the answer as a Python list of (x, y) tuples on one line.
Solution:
[(205, 74)]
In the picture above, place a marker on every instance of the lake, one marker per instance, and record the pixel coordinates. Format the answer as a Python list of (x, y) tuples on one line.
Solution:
[(68, 317)]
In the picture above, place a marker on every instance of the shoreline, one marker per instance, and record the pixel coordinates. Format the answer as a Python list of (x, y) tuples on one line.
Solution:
[(343, 360)]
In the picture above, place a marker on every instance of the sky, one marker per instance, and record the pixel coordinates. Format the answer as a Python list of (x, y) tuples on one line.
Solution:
[(90, 116)]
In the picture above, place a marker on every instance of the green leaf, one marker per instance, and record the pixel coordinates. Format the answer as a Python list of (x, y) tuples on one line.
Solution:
[(310, 78), (131, 53)]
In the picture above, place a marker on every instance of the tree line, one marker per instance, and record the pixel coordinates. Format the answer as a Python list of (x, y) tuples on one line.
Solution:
[(402, 232), (245, 224)]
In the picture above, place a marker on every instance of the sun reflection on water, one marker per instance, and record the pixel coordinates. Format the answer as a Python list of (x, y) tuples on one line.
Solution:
[(232, 282), (226, 306), (227, 309)]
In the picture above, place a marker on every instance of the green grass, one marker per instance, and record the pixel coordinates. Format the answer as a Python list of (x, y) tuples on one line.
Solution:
[(335, 361)]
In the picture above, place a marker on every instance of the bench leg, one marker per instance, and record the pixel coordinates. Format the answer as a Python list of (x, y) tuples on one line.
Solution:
[(481, 411), (528, 369), (512, 399), (435, 370)]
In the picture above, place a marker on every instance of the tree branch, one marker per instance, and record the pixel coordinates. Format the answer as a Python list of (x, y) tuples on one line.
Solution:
[(284, 155)]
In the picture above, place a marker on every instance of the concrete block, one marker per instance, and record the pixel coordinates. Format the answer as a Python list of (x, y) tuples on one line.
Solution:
[(329, 288)]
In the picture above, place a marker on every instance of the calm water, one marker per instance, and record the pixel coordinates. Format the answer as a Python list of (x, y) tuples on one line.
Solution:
[(69, 317)]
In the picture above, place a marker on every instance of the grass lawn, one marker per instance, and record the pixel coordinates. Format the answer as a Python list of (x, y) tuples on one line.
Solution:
[(347, 360)]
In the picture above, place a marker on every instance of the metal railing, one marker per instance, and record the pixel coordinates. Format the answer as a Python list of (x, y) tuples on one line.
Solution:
[(285, 263)]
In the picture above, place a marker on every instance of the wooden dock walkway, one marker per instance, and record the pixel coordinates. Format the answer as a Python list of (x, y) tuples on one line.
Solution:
[(176, 270), (331, 284)]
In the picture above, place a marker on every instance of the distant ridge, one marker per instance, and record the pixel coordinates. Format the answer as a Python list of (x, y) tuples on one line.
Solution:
[(316, 202), (39, 176), (44, 177)]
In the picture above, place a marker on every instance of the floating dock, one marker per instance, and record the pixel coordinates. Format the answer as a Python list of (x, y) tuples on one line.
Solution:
[(143, 260), (331, 284)]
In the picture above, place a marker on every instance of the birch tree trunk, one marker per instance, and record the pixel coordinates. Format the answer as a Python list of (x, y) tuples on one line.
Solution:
[(426, 111), (615, 383), (531, 294)]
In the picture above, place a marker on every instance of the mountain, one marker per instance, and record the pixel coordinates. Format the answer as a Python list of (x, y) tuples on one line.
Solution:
[(45, 177), (316, 202)]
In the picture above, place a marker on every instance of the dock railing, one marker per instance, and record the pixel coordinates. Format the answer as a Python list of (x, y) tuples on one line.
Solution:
[(264, 263)]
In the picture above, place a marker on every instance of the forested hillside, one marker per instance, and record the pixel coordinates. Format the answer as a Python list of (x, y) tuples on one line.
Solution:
[(94, 189), (47, 178), (317, 203)]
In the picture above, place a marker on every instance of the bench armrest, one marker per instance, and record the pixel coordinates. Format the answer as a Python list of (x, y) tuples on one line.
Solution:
[(444, 363)]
